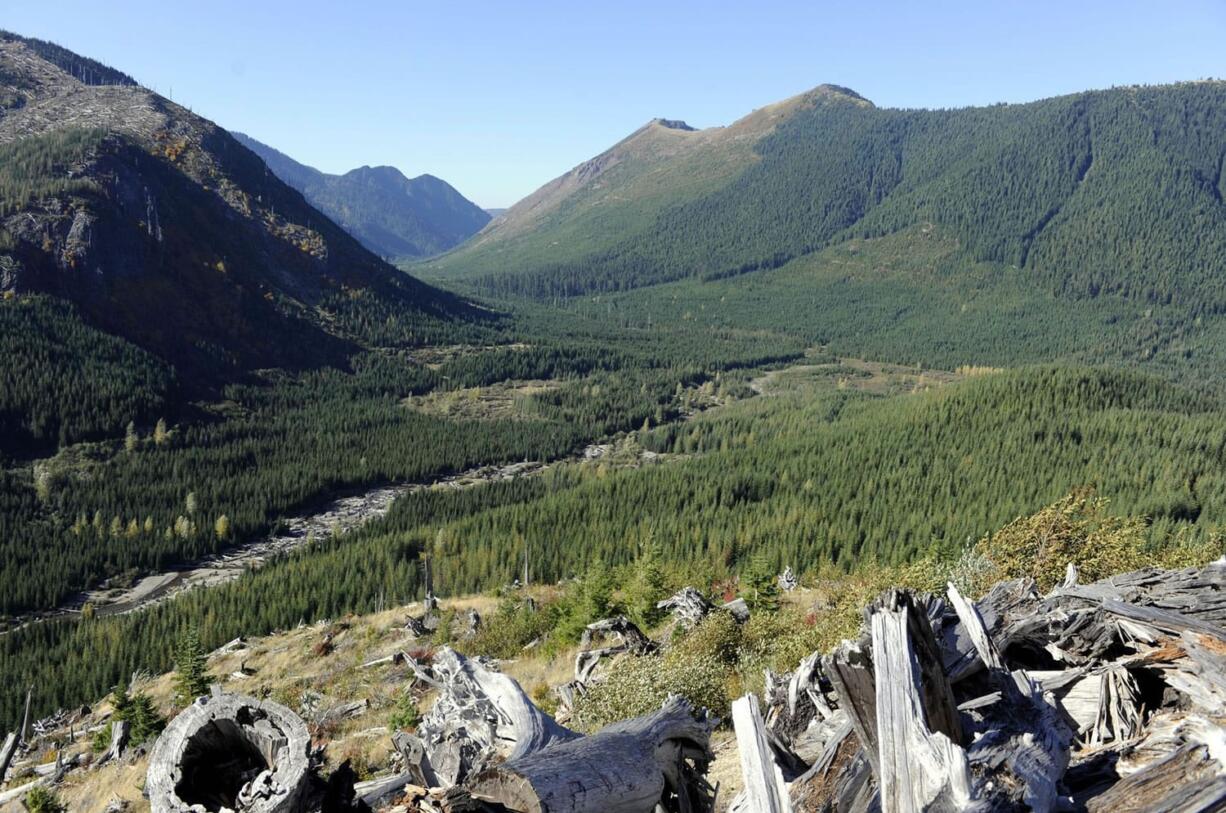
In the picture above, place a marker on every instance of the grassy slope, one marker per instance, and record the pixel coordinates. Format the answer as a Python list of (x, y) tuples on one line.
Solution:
[(615, 195)]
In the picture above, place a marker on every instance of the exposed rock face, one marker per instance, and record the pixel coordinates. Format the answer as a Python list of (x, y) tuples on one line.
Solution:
[(230, 751), (163, 229)]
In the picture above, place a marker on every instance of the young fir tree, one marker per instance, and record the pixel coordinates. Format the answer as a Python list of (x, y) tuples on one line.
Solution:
[(647, 587), (138, 711), (758, 584), (191, 672)]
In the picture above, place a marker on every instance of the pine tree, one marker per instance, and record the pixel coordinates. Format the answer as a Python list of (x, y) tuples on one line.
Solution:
[(131, 439), (138, 711), (191, 672)]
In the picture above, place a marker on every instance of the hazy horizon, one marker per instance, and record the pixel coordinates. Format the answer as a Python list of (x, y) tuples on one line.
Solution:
[(499, 100)]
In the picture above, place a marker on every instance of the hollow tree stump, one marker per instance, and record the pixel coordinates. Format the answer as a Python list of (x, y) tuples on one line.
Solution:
[(233, 751)]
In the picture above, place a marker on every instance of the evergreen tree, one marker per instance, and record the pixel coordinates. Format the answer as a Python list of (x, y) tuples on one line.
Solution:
[(191, 669), (647, 586), (758, 584)]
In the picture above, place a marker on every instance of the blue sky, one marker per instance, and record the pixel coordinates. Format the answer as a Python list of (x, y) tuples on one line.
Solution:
[(499, 97)]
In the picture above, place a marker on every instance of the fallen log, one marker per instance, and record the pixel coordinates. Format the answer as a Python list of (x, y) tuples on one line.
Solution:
[(628, 767), (344, 711), (479, 713), (629, 639), (1193, 778), (228, 750)]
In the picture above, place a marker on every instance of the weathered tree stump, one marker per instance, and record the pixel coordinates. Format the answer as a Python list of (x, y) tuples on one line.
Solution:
[(479, 713), (233, 751)]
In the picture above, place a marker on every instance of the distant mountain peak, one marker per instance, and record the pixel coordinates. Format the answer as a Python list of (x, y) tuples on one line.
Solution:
[(830, 92), (673, 124), (391, 214)]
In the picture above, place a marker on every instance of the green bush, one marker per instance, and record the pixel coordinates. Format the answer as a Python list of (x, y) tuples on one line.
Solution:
[(406, 715), (42, 800), (514, 625), (637, 686)]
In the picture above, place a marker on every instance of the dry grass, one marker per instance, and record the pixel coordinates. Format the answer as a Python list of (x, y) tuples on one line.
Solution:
[(503, 400), (286, 669)]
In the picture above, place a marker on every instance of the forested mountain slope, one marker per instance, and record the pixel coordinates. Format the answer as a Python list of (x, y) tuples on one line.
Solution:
[(1097, 193), (818, 473), (122, 213), (393, 216)]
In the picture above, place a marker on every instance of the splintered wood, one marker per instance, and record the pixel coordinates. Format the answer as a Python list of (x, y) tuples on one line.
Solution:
[(1102, 697)]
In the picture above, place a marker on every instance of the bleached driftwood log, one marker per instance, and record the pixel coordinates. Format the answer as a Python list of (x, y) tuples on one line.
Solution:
[(233, 751), (480, 713), (629, 767)]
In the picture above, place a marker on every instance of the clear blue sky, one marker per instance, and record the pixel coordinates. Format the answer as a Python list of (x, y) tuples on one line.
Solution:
[(499, 97)]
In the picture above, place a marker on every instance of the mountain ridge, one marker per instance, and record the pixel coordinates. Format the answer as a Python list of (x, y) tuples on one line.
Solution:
[(1008, 181), (161, 229), (391, 214)]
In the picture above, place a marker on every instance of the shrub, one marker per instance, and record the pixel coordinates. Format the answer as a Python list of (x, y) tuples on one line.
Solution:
[(42, 800), (717, 636), (1074, 529), (514, 625), (405, 716), (637, 686)]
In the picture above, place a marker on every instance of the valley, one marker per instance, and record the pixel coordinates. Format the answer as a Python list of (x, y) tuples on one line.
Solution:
[(717, 394)]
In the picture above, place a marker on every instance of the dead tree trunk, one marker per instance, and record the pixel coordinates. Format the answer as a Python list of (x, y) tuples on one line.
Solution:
[(919, 766), (479, 713), (119, 741), (628, 767), (687, 605), (24, 738), (6, 753), (765, 791)]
